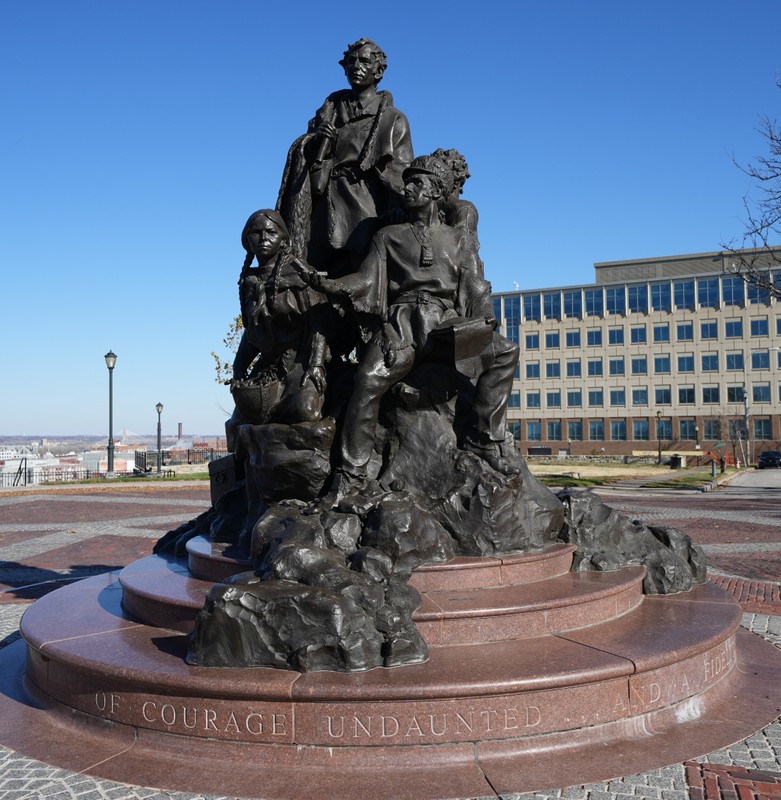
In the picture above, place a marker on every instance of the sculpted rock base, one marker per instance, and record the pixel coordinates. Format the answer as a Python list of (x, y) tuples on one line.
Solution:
[(607, 540), (428, 501), (283, 624)]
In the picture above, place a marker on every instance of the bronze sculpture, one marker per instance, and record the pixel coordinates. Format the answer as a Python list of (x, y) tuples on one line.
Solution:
[(371, 388)]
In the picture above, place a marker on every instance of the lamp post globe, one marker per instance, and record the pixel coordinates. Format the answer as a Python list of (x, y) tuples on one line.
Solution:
[(111, 360), (159, 408)]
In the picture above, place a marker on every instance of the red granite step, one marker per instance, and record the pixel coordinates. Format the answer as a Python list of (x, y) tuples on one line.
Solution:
[(40, 727), (215, 561), (160, 592), (663, 655)]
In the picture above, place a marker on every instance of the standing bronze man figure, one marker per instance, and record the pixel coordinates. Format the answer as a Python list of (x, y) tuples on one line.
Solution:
[(344, 174)]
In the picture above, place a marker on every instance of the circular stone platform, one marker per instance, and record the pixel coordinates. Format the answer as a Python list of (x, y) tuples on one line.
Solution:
[(537, 678)]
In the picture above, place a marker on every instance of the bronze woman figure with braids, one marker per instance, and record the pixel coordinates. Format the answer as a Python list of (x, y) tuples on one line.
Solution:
[(278, 372)]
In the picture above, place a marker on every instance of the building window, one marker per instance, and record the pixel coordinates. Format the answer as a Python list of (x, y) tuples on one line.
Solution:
[(758, 294), (573, 304), (732, 291), (664, 396), (662, 364), (736, 429), (533, 431), (573, 338), (710, 362), (618, 397), (615, 335), (573, 369), (596, 398), (688, 429), (708, 292), (660, 297), (618, 430), (735, 394), (638, 298), (686, 362), (553, 399), (532, 399), (759, 326), (711, 429), (552, 340), (684, 294), (575, 430), (496, 302), (760, 392), (532, 307), (710, 394), (763, 429), (760, 359), (552, 369), (640, 396), (615, 301), (594, 337), (616, 366), (664, 428), (639, 365), (594, 367), (515, 429), (662, 333), (532, 341), (552, 305), (514, 400), (685, 331), (532, 369), (554, 430), (512, 310), (709, 330), (733, 328), (641, 430), (596, 430), (686, 395), (593, 301), (638, 335), (735, 360), (574, 398), (517, 373)]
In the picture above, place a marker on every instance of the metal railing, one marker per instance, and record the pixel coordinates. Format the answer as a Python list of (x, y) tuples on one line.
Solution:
[(31, 477), (146, 460)]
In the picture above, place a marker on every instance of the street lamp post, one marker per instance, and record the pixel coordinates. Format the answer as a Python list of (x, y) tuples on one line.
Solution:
[(111, 360), (159, 408), (659, 436), (745, 423)]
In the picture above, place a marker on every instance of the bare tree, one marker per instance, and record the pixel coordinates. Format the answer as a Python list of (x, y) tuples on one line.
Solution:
[(755, 255), (222, 366)]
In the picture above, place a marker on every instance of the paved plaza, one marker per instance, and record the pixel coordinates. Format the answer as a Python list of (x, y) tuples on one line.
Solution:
[(50, 537)]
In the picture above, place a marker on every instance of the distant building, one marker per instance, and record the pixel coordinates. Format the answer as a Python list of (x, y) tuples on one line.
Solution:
[(676, 351)]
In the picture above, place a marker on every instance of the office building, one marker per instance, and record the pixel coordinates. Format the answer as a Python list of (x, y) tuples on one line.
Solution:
[(676, 353)]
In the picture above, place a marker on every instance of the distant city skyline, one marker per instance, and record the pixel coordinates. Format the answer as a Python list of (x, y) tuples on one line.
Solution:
[(139, 137)]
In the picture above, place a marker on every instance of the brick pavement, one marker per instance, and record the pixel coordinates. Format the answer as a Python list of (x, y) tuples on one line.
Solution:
[(50, 537)]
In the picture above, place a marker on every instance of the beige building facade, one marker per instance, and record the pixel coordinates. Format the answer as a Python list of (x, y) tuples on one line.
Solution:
[(677, 354)]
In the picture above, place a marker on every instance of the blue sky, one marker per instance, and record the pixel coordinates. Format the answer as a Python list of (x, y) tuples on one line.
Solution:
[(137, 137)]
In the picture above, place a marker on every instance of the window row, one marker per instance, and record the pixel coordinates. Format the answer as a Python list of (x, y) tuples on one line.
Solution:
[(641, 429), (640, 396), (603, 301), (639, 365), (638, 334)]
